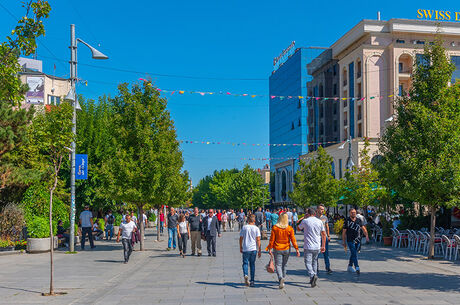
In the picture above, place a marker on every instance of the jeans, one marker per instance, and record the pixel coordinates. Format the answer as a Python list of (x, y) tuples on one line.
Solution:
[(108, 228), (326, 255), (353, 246), (183, 242), (311, 261), (162, 224), (86, 231), (211, 244), (281, 259), (295, 227), (240, 225), (249, 257), (172, 233), (196, 241), (127, 248), (267, 224)]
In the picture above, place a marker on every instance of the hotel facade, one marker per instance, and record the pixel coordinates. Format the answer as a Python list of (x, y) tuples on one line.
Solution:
[(357, 80)]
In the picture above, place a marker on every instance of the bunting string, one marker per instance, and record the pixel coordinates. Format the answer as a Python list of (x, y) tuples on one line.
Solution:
[(272, 97), (252, 144)]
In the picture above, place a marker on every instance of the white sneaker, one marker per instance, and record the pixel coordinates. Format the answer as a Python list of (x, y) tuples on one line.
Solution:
[(281, 283), (246, 280), (351, 269)]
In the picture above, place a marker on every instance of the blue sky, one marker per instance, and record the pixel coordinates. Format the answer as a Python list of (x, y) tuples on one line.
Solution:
[(215, 39)]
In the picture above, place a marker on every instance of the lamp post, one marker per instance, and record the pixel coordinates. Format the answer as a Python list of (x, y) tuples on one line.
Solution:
[(350, 162), (73, 96)]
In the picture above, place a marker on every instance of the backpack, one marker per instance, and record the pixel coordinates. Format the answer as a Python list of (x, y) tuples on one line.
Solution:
[(111, 219)]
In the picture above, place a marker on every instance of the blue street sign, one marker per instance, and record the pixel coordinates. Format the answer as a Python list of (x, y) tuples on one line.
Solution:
[(81, 167)]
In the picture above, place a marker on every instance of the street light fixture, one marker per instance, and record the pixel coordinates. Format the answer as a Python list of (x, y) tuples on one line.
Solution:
[(73, 96), (350, 162)]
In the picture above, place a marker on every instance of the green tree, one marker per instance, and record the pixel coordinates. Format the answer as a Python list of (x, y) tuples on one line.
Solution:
[(362, 186), (52, 134), (247, 189), (145, 159), (421, 148), (13, 119), (314, 183)]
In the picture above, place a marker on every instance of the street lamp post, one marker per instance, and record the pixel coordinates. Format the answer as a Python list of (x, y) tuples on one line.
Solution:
[(350, 163), (73, 96)]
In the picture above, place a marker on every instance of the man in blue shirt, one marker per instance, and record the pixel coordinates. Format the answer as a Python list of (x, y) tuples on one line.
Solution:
[(268, 219)]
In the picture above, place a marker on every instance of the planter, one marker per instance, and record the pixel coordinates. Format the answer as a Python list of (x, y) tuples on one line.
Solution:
[(115, 230), (40, 245), (10, 248), (387, 241)]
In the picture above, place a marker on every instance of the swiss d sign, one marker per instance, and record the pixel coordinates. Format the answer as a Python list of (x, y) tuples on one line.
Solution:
[(81, 167)]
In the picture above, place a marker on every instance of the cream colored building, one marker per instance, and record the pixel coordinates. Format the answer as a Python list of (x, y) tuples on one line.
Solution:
[(375, 60), (44, 89)]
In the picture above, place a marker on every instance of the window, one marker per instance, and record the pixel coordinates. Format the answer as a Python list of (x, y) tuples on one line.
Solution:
[(359, 112), (401, 89), (335, 108), (54, 100), (360, 130), (335, 125), (359, 91), (335, 90), (321, 111), (345, 118), (358, 70), (420, 42), (334, 70), (400, 41), (456, 62), (300, 123), (345, 103), (420, 60), (401, 67), (292, 126), (299, 105), (321, 129), (333, 169)]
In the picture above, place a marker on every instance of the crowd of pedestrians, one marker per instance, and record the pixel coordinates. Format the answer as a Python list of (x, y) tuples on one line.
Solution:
[(282, 225)]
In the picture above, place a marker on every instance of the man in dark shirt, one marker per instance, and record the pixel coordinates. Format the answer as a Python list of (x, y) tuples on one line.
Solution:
[(259, 218), (195, 231), (172, 228), (351, 236)]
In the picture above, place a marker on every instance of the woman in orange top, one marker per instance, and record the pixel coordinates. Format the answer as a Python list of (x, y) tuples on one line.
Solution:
[(280, 240)]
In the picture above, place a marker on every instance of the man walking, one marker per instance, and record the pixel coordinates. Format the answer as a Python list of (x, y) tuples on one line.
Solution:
[(259, 218), (351, 236), (126, 230), (211, 230), (172, 228), (249, 247), (320, 213), (289, 214), (86, 222), (268, 219), (109, 221), (195, 231), (295, 219), (314, 241), (240, 218)]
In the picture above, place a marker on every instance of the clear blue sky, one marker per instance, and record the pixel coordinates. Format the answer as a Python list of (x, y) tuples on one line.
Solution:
[(216, 39)]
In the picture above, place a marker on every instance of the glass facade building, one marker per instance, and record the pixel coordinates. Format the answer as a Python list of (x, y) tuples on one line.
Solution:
[(288, 116)]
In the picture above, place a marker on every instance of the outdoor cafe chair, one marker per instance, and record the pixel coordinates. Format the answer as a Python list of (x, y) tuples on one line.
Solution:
[(457, 245), (448, 245)]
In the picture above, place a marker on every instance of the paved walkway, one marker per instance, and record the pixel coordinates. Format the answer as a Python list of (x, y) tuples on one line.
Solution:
[(156, 276)]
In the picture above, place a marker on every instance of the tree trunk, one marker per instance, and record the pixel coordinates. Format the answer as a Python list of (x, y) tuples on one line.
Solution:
[(432, 231), (158, 224), (51, 238), (141, 226)]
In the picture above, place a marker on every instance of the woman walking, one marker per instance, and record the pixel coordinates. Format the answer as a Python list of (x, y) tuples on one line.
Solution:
[(183, 230), (280, 241), (224, 220)]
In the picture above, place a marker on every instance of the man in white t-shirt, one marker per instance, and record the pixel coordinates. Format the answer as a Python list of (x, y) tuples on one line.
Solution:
[(314, 243), (249, 246), (126, 229), (86, 222)]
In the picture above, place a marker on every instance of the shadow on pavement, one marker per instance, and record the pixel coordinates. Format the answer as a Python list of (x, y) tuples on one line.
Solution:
[(20, 289), (426, 281), (260, 284), (108, 261)]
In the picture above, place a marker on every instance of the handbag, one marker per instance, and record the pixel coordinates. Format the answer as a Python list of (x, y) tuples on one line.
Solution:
[(270, 266)]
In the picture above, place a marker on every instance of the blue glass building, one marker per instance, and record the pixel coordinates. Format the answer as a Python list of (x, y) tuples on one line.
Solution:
[(288, 119)]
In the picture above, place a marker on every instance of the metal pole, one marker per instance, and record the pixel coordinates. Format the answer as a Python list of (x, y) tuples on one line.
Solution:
[(73, 79)]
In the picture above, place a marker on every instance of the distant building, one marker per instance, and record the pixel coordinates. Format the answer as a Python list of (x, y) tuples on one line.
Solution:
[(265, 173), (44, 89), (288, 117)]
